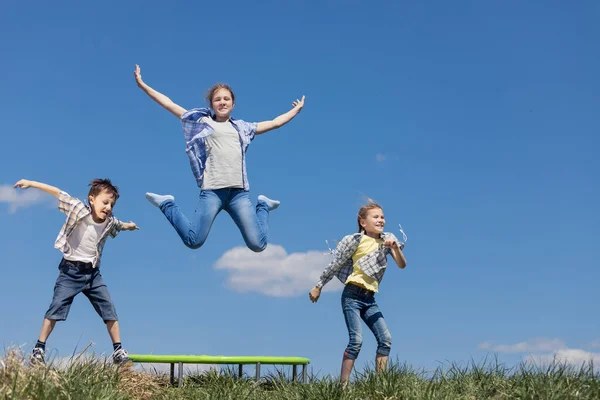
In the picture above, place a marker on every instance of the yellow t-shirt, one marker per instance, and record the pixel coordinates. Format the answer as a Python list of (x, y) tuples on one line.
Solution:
[(358, 277)]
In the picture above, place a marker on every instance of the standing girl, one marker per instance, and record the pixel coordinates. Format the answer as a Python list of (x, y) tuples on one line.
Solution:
[(360, 262), (216, 145)]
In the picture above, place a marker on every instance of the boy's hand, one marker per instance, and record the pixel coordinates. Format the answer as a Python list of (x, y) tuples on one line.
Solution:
[(138, 75), (130, 226), (298, 104), (314, 294), (23, 184)]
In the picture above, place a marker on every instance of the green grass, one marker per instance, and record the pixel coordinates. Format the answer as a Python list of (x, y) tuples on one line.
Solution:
[(97, 378)]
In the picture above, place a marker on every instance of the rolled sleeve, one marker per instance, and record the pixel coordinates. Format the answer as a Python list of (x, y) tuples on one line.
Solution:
[(66, 203), (340, 256), (248, 129), (116, 227)]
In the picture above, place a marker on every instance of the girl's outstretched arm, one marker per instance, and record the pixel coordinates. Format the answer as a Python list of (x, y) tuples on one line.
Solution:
[(283, 119), (341, 254), (160, 98)]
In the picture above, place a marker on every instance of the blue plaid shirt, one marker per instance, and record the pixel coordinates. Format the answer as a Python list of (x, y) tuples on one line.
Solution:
[(195, 132), (373, 264)]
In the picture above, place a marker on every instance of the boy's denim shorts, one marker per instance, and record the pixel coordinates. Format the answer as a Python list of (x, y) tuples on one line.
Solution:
[(76, 277)]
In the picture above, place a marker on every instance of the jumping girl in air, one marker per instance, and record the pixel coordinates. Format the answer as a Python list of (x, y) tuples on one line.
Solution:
[(359, 262), (216, 145)]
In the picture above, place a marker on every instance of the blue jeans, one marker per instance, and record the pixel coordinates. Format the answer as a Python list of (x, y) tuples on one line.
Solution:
[(74, 278), (253, 223), (359, 304)]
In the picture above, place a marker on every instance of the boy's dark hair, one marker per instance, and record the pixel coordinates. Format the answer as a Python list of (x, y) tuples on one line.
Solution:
[(98, 185)]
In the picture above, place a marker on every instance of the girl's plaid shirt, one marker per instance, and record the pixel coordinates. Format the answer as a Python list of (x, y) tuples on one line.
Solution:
[(76, 210), (373, 264), (195, 132)]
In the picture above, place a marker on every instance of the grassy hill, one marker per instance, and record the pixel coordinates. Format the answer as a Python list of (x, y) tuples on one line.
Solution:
[(97, 378)]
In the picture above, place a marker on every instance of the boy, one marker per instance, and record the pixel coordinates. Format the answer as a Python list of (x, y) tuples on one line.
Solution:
[(81, 241)]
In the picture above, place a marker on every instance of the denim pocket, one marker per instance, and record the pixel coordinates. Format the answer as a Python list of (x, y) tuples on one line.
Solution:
[(70, 270)]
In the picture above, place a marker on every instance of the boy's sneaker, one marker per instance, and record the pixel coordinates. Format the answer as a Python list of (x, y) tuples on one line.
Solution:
[(37, 356), (120, 357)]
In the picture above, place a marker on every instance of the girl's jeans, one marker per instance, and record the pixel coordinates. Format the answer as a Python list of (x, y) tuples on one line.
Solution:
[(252, 222), (359, 304)]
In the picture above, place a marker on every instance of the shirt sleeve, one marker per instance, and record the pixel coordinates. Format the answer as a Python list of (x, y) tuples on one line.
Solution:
[(248, 128), (191, 122), (339, 259), (66, 203), (115, 228)]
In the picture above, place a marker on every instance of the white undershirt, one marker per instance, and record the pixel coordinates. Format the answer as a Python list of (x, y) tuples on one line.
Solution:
[(84, 239)]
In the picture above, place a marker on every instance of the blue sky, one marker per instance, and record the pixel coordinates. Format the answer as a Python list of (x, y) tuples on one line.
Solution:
[(475, 124)]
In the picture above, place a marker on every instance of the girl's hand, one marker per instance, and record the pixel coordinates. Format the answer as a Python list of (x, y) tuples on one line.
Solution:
[(23, 184), (138, 75), (390, 243), (314, 294), (298, 104), (393, 244)]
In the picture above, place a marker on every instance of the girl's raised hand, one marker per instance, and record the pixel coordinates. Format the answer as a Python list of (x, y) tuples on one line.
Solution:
[(298, 104), (138, 75)]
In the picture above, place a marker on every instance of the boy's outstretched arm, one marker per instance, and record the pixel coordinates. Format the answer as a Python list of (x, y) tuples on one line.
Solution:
[(160, 98), (24, 184), (283, 119)]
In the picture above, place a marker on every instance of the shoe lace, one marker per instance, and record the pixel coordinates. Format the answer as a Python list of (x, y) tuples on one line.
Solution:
[(121, 353)]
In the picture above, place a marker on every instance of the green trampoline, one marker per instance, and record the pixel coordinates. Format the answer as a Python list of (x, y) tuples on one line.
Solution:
[(239, 360)]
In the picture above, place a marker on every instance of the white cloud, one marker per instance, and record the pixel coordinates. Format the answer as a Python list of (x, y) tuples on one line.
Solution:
[(21, 198), (576, 357), (544, 351), (274, 272), (380, 157), (533, 345)]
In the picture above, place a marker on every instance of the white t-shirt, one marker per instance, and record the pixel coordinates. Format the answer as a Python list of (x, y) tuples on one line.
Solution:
[(224, 157), (84, 239)]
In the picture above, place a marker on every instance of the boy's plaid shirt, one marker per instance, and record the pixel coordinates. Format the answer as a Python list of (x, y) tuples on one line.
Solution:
[(76, 210), (373, 264)]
